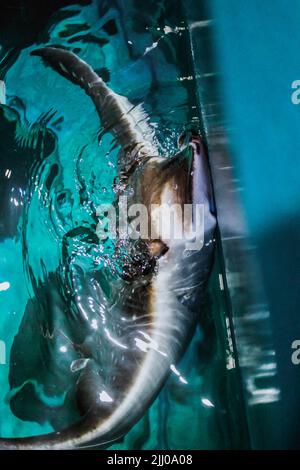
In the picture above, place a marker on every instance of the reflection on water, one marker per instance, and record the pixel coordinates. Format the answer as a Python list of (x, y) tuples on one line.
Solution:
[(57, 166)]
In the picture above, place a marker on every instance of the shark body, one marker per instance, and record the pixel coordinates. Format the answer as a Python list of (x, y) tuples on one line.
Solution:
[(152, 309)]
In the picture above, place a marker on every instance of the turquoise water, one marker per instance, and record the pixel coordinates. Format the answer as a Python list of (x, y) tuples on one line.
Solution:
[(56, 168)]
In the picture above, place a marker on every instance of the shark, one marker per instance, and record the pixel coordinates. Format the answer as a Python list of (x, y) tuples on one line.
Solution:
[(152, 308), (2, 92)]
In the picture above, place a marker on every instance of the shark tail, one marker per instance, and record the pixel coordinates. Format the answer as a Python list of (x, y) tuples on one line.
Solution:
[(129, 124)]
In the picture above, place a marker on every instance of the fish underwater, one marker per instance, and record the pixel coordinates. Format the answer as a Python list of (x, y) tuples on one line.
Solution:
[(128, 334)]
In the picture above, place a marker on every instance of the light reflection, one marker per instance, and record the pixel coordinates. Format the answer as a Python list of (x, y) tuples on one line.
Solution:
[(177, 373), (79, 364), (4, 286), (182, 380), (82, 310)]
